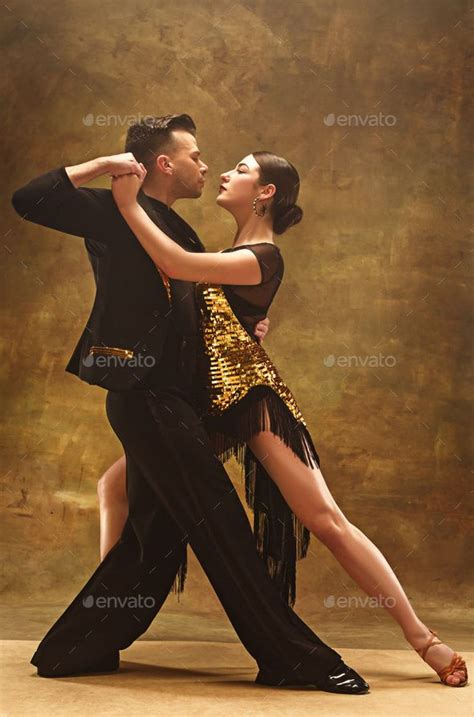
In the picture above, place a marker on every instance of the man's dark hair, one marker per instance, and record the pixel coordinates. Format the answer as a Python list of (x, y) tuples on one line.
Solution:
[(152, 136)]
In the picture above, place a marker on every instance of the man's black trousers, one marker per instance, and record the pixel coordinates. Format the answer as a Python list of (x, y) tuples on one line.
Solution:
[(195, 502)]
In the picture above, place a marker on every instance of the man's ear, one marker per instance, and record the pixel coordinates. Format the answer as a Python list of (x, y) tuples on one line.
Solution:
[(164, 164)]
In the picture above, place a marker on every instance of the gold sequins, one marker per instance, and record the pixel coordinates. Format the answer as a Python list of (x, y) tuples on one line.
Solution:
[(236, 363)]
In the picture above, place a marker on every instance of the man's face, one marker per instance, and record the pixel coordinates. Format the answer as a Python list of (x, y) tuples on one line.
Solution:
[(188, 169)]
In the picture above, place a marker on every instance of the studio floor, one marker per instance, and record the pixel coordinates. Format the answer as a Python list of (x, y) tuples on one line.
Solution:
[(210, 673)]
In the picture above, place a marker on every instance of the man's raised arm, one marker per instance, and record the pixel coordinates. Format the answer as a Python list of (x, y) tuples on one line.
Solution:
[(57, 199)]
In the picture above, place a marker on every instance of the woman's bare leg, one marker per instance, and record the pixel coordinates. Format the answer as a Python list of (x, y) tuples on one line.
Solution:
[(308, 496), (113, 505)]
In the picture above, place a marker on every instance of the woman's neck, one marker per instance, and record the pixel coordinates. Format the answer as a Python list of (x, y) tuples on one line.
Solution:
[(253, 230)]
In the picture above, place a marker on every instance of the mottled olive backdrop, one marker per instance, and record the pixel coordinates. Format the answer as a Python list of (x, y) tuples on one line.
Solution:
[(369, 99)]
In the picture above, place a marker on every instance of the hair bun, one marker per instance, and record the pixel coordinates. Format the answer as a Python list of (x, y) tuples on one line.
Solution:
[(287, 218)]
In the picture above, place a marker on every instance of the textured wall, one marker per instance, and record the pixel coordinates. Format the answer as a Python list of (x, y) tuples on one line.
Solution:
[(377, 271)]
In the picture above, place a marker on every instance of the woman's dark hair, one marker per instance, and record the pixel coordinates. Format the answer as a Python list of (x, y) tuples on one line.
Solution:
[(151, 136), (278, 171)]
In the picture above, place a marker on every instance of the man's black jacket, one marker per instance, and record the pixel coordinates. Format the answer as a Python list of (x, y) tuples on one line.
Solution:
[(125, 334)]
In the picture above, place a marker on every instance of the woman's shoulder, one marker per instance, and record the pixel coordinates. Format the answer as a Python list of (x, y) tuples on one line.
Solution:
[(268, 256), (255, 244), (262, 250)]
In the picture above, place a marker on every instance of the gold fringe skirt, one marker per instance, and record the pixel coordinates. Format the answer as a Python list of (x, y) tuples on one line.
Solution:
[(243, 394)]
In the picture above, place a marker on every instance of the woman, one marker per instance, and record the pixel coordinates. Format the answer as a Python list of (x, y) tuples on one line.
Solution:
[(246, 402)]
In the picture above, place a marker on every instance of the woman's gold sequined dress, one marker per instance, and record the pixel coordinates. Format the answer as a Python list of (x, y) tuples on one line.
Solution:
[(244, 394)]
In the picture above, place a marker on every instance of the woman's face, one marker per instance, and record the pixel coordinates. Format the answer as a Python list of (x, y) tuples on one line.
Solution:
[(240, 186)]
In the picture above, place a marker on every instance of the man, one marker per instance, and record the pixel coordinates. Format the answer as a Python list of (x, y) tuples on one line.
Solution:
[(140, 344)]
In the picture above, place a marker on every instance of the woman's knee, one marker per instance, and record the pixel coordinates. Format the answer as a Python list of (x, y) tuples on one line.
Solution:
[(330, 526), (111, 486)]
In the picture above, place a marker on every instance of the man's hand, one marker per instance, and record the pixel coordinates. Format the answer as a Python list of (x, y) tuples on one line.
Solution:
[(261, 329), (126, 187), (119, 164), (115, 166)]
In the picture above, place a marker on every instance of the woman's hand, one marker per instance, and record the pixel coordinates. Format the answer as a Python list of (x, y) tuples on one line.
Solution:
[(260, 329), (126, 187)]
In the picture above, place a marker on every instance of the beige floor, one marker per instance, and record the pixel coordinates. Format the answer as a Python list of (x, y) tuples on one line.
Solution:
[(216, 678), (193, 664)]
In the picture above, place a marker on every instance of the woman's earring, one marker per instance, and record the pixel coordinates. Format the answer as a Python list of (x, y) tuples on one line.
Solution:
[(264, 208)]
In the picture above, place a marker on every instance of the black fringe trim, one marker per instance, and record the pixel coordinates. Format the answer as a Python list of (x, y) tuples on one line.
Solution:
[(180, 579), (281, 538)]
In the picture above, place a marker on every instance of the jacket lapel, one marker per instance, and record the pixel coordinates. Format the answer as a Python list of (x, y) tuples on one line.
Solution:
[(172, 224)]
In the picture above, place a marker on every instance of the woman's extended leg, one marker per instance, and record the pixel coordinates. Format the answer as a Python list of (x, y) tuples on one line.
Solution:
[(308, 496), (113, 505)]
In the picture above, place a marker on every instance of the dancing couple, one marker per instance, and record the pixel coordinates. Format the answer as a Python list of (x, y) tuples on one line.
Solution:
[(174, 339)]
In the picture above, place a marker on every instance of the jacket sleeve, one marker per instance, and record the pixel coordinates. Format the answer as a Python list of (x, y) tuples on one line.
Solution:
[(53, 201)]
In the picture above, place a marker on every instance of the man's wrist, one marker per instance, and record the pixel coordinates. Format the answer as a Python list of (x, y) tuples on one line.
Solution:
[(103, 165), (80, 174), (100, 166)]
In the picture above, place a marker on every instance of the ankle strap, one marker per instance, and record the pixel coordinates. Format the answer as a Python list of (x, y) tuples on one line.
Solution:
[(430, 642)]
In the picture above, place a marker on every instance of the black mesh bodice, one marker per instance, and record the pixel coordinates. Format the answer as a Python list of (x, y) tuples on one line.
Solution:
[(251, 303)]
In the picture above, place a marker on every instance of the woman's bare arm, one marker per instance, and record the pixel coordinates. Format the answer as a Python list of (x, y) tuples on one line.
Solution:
[(240, 267)]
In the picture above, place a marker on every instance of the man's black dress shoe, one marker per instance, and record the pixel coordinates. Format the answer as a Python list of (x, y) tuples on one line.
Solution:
[(107, 663), (341, 680)]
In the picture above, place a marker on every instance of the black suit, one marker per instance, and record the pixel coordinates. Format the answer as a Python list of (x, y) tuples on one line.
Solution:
[(131, 309), (170, 461)]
